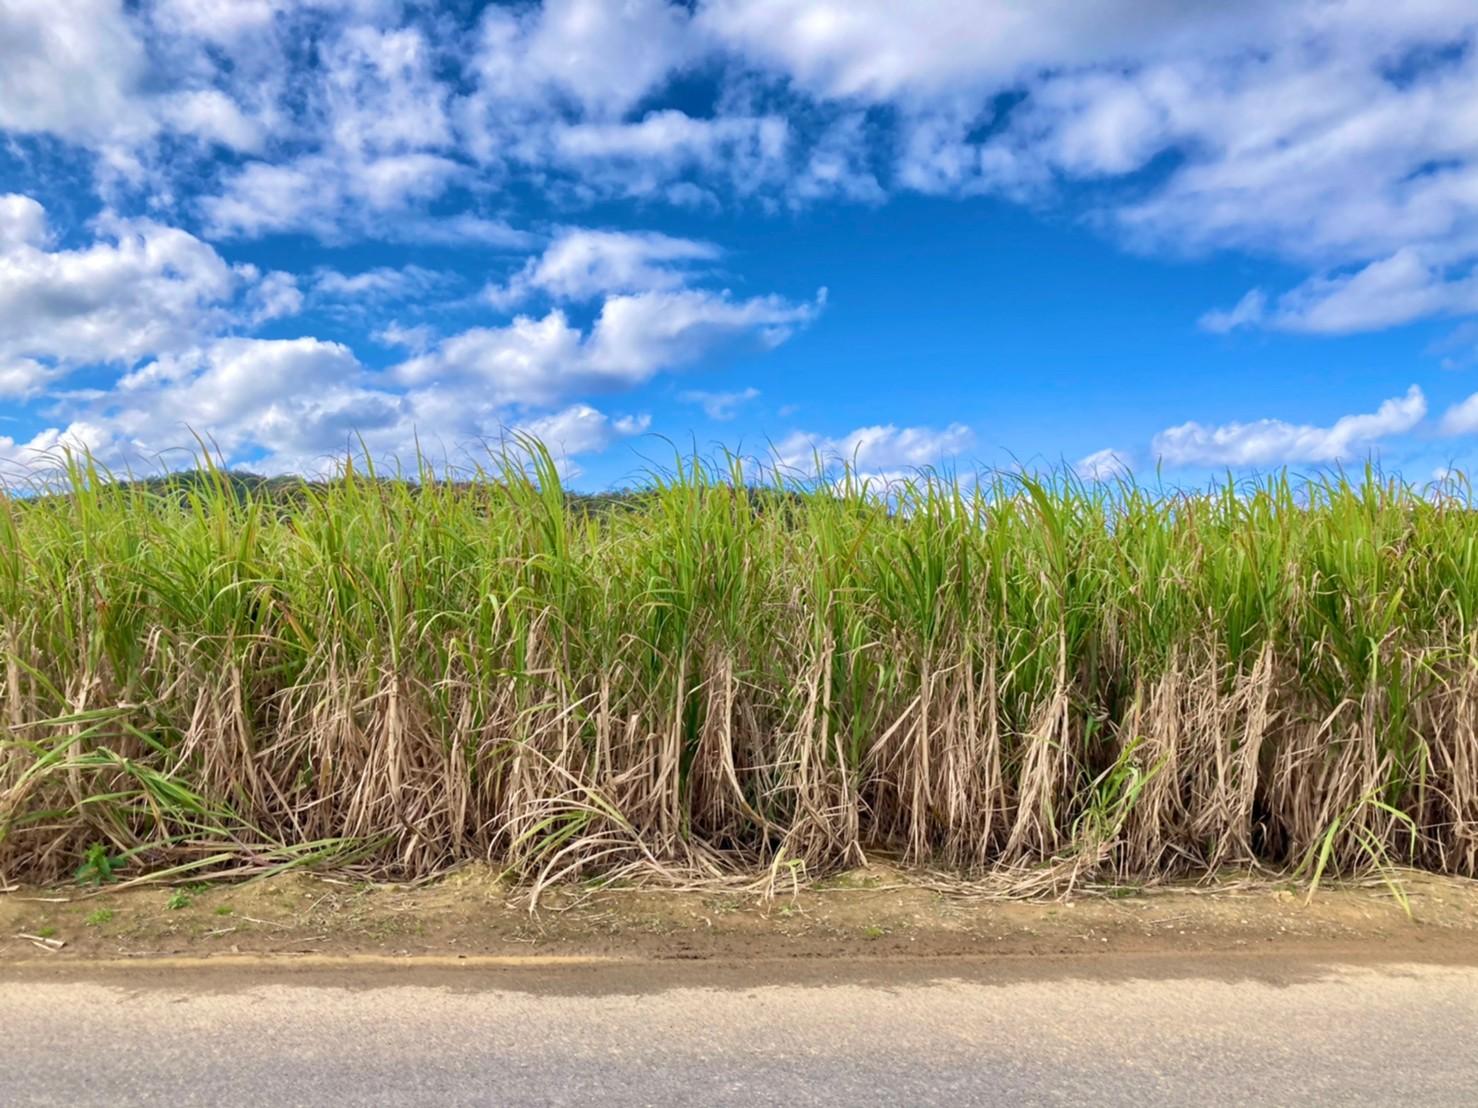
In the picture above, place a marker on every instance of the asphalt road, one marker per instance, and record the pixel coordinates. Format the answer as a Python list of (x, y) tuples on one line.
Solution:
[(1124, 1030)]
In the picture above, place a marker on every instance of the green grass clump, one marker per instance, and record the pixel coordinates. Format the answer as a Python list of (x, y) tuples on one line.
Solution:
[(218, 675)]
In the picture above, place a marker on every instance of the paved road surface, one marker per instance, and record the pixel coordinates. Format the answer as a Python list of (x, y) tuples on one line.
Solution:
[(1011, 1031)]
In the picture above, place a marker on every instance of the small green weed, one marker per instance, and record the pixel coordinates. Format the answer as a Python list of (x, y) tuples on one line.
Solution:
[(98, 866)]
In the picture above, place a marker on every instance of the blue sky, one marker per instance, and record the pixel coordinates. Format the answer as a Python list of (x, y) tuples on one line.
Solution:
[(1089, 233)]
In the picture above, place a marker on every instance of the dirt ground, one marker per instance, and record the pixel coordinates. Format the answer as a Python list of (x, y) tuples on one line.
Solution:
[(876, 912)]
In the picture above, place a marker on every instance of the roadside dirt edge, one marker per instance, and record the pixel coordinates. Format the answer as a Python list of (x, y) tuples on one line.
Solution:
[(471, 920)]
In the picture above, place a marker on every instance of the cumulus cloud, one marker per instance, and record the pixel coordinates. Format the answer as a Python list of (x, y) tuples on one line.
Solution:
[(1275, 442), (333, 198), (22, 222), (381, 94), (556, 87), (24, 378), (160, 304), (635, 337), (295, 405), (880, 52), (883, 451), (582, 264), (346, 196), (1385, 293), (241, 389), (1334, 136), (380, 144), (661, 154), (1322, 133), (1461, 418), (72, 70), (598, 56), (292, 399), (276, 296), (83, 71), (1103, 465), (576, 430), (417, 338), (139, 289), (211, 115), (221, 22)]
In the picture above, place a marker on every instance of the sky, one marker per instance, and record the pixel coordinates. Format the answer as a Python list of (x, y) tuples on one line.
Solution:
[(1146, 236)]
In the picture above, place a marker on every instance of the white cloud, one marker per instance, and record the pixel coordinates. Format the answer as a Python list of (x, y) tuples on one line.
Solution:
[(296, 400), (653, 156), (417, 338), (343, 196), (1385, 293), (838, 165), (82, 70), (356, 142), (212, 115), (527, 361), (1343, 163), (1274, 442), (1335, 135), (884, 451), (599, 56), (20, 461), (1461, 418), (542, 361), (331, 197), (462, 230), (235, 383), (576, 430), (877, 51), (720, 406), (1104, 465), (24, 378), (261, 198), (638, 332), (1341, 137), (217, 21), (141, 288), (295, 405), (22, 222), (1250, 311), (555, 87), (382, 95), (583, 264), (71, 69), (276, 296), (380, 283)]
